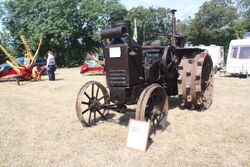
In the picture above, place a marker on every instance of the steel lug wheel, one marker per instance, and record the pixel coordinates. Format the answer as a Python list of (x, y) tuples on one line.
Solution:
[(89, 104)]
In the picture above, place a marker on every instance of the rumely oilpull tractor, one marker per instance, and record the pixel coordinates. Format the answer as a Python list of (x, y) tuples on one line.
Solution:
[(146, 75)]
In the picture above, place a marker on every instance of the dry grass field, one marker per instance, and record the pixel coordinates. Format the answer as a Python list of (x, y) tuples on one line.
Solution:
[(39, 127)]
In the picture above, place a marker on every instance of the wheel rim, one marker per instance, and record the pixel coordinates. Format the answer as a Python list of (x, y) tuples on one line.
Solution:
[(90, 100), (207, 82), (152, 106)]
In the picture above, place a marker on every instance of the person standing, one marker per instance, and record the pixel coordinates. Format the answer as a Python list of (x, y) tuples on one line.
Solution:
[(51, 66), (26, 60)]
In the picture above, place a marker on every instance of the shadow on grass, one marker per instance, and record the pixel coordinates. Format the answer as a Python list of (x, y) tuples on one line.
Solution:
[(173, 102), (108, 117), (236, 76), (124, 119)]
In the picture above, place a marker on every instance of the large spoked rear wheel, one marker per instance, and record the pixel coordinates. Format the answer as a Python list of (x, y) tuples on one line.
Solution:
[(89, 104), (152, 106)]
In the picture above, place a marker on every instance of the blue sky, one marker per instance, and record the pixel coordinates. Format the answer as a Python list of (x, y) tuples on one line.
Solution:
[(185, 7)]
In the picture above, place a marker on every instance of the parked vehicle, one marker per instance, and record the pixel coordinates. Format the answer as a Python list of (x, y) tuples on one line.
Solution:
[(93, 64), (238, 59), (216, 53)]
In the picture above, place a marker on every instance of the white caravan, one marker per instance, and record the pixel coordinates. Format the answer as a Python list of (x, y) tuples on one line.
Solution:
[(215, 52), (238, 58)]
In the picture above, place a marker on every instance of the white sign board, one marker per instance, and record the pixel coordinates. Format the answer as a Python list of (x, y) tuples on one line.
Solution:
[(138, 134), (114, 52)]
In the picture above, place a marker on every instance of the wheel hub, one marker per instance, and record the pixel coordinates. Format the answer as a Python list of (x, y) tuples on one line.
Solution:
[(94, 104)]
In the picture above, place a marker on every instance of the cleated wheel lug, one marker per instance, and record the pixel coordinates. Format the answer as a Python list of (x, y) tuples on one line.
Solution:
[(188, 85), (198, 88), (183, 103), (180, 92), (199, 63), (180, 67), (198, 76), (192, 106), (199, 101), (190, 61), (189, 98), (188, 73)]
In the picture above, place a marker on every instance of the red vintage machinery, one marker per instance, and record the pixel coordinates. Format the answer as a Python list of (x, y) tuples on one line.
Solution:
[(25, 70), (93, 64)]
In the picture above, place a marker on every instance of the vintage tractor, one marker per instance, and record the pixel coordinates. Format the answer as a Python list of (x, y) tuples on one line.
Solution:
[(146, 75)]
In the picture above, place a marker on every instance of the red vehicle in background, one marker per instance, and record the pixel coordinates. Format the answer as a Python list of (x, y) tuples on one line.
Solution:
[(5, 69), (22, 68), (93, 64)]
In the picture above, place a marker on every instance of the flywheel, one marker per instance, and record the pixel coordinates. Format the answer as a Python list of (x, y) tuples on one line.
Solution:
[(195, 81)]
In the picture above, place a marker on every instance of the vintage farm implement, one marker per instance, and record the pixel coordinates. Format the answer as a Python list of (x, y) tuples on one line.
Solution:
[(25, 70), (146, 75), (93, 65)]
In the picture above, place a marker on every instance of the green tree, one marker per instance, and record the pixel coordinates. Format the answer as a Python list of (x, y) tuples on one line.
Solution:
[(183, 26), (212, 24), (239, 28), (69, 28), (151, 22), (244, 6)]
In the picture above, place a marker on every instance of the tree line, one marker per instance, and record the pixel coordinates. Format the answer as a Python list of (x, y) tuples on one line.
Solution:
[(71, 29)]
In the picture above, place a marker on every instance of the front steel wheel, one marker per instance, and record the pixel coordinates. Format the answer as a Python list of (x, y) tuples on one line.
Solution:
[(152, 106), (89, 104)]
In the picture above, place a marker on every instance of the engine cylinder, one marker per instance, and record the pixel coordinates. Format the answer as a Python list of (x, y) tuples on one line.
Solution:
[(123, 23)]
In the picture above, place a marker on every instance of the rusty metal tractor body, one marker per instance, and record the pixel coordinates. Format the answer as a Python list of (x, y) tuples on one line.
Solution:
[(146, 75)]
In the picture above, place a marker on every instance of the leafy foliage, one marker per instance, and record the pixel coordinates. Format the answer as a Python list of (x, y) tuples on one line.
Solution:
[(245, 11), (68, 28), (211, 24), (71, 29), (150, 22)]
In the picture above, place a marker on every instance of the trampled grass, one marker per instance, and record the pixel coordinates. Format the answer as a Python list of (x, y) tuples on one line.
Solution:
[(39, 127)]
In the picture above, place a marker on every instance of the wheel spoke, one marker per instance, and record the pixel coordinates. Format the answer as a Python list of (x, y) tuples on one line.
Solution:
[(87, 95), (97, 91), (100, 98), (92, 92), (85, 111), (157, 121), (154, 128), (89, 117), (170, 65), (83, 102), (163, 115), (95, 117), (101, 114), (153, 123)]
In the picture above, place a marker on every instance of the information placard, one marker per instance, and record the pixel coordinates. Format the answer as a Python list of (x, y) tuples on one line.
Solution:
[(115, 52), (138, 134)]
